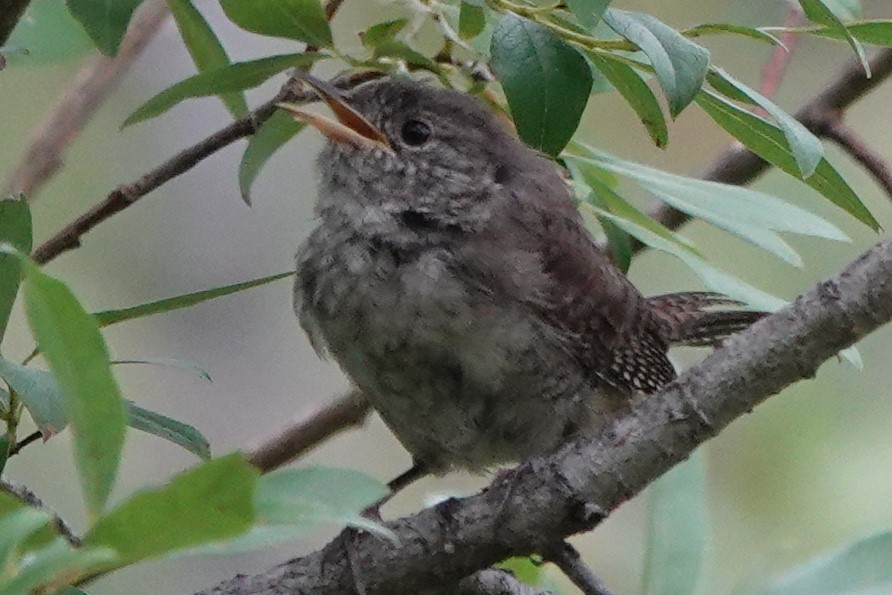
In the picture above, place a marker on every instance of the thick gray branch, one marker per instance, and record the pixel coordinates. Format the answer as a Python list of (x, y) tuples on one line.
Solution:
[(546, 499)]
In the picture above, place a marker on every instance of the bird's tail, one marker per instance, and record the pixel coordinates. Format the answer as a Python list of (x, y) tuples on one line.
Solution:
[(693, 320)]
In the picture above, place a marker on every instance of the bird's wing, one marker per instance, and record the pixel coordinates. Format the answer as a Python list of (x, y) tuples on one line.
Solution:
[(575, 289)]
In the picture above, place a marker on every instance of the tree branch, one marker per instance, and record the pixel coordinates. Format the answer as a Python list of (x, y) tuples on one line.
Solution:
[(10, 13), (567, 558), (860, 151), (29, 498), (77, 105), (495, 582), (127, 194), (546, 499), (348, 411)]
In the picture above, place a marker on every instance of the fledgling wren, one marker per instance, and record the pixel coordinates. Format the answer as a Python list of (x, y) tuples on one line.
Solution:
[(453, 280)]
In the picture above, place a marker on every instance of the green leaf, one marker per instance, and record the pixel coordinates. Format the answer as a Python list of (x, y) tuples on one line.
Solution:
[(768, 142), (873, 32), (235, 77), (53, 562), (210, 502), (205, 48), (636, 93), (588, 12), (806, 148), (471, 20), (171, 362), (303, 20), (15, 229), (169, 429), (181, 301), (291, 502), (401, 51), (547, 82), (381, 32), (819, 12), (718, 28), (70, 341), (678, 527), (49, 34), (275, 132), (40, 394), (860, 567), (15, 527), (104, 20), (680, 64), (713, 278), (751, 215)]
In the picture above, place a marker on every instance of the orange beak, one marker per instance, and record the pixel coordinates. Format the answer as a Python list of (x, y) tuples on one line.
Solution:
[(350, 128)]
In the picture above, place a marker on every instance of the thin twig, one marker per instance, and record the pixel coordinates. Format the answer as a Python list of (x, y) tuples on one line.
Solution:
[(29, 498), (774, 70), (32, 437), (126, 194), (567, 558), (77, 105), (857, 147), (348, 411)]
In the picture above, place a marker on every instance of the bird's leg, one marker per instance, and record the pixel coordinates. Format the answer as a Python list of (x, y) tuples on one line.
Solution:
[(396, 485)]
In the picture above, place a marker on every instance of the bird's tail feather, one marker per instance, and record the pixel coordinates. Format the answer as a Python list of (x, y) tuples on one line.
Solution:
[(692, 323)]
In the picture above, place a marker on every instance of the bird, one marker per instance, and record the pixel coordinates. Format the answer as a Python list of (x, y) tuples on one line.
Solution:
[(451, 277)]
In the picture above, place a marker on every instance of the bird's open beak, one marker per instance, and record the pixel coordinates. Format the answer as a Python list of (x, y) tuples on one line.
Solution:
[(350, 128)]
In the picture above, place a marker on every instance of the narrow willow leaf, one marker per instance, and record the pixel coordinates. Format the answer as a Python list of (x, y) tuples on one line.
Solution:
[(45, 566), (768, 142), (679, 63), (292, 502), (872, 32), (819, 12), (15, 229), (588, 12), (275, 132), (50, 34), (381, 32), (719, 28), (181, 301), (712, 277), (678, 527), (235, 77), (471, 20), (805, 146), (860, 567), (104, 20), (170, 362), (547, 82), (169, 429), (303, 20), (636, 93), (40, 394), (606, 198), (15, 527), (749, 214), (205, 48), (210, 502), (70, 341), (401, 51)]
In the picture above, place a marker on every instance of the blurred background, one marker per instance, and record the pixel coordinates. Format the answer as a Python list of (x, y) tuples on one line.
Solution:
[(806, 471)]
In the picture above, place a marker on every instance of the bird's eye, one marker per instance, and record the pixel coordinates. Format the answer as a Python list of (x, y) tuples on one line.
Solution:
[(415, 133)]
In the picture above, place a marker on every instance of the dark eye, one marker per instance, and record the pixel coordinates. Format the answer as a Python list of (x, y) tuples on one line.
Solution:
[(415, 133)]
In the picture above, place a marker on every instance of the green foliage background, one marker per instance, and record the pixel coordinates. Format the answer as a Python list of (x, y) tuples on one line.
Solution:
[(804, 472)]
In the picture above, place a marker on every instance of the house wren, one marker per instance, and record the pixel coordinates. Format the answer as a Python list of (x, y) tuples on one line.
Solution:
[(453, 280)]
